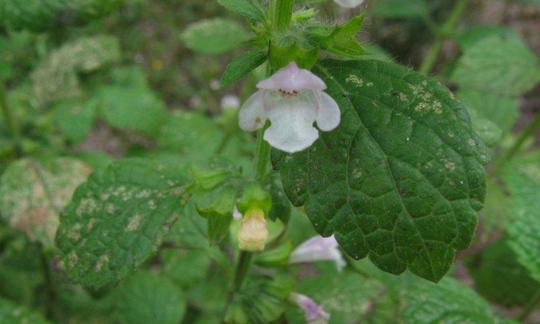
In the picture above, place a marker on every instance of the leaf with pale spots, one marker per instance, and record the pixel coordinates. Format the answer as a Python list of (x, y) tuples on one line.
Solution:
[(117, 219), (33, 193), (401, 179)]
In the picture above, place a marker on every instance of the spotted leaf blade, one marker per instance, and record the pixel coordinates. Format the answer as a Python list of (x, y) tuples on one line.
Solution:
[(401, 179), (33, 193), (117, 219)]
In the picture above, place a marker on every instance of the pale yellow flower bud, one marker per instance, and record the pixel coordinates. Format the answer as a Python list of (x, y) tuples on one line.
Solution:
[(253, 233)]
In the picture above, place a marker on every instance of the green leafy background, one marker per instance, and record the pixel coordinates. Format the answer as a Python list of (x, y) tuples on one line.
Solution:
[(131, 91)]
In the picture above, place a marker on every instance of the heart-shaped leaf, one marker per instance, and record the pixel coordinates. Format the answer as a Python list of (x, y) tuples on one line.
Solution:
[(401, 178)]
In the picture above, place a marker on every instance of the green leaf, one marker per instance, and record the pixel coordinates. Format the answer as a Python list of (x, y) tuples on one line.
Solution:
[(217, 207), (446, 302), (95, 159), (495, 215), (131, 108), (400, 9), (21, 269), (401, 178), (56, 77), (500, 278), (343, 40), (190, 231), (37, 15), (75, 118), (179, 133), (249, 9), (182, 133), (498, 65), (214, 36), (261, 300), (216, 188), (292, 51), (210, 296), (148, 298), (186, 268), (32, 194), (117, 219), (523, 183), (500, 110), (490, 133), (242, 65), (347, 297), (129, 76), (280, 14), (374, 52), (477, 33), (281, 207), (17, 50), (15, 314)]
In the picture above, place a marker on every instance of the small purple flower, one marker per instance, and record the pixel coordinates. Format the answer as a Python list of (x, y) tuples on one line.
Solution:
[(293, 99), (318, 248), (349, 3), (313, 313)]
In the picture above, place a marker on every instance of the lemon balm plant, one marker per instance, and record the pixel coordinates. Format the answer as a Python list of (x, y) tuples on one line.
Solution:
[(400, 179), (339, 188)]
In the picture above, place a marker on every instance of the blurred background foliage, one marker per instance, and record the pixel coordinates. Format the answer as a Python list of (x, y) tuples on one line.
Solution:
[(96, 80)]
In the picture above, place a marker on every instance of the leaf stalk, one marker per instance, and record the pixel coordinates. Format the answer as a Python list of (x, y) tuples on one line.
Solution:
[(443, 33), (528, 132)]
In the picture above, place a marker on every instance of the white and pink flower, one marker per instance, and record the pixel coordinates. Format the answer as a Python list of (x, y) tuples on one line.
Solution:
[(293, 99), (318, 248)]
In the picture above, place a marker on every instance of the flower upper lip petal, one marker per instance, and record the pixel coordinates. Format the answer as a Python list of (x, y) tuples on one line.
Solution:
[(292, 78)]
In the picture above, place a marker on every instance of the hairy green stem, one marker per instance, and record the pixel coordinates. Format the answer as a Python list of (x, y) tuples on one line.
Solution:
[(280, 12), (49, 285), (262, 156), (446, 30), (9, 119), (242, 268), (528, 132), (244, 262)]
